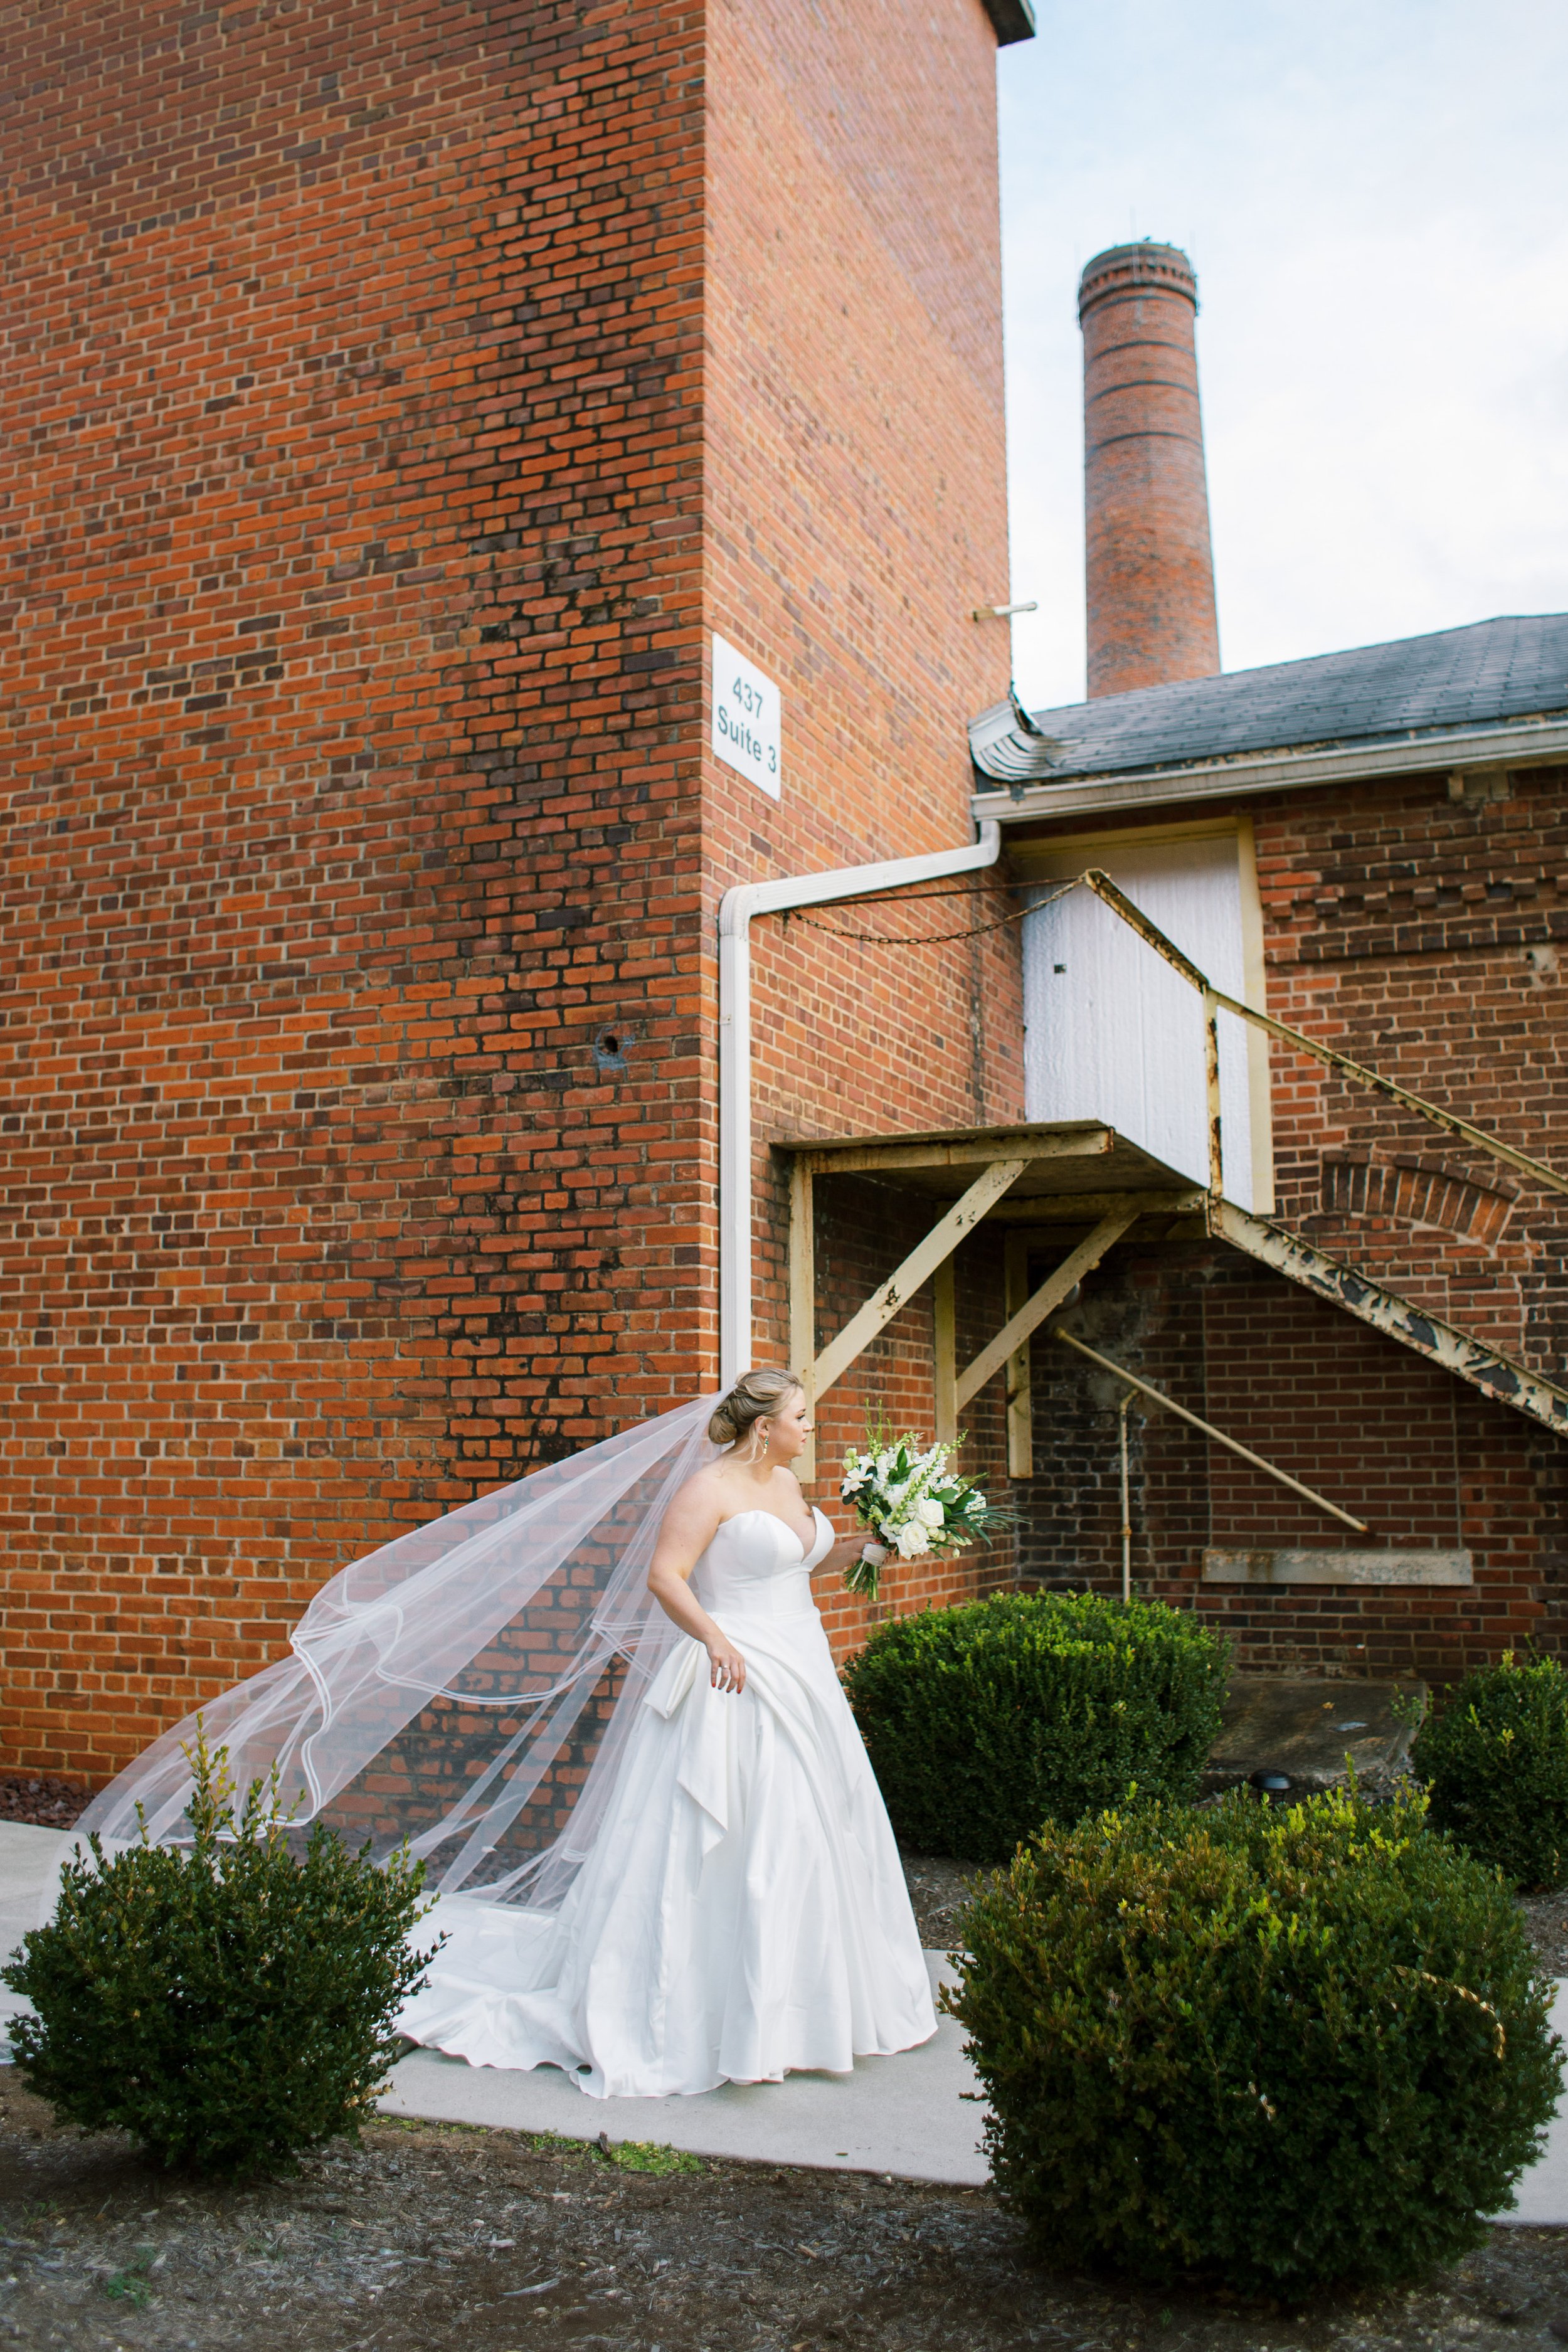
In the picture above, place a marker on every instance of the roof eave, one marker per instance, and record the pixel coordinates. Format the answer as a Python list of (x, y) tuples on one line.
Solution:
[(1011, 20), (1530, 739)]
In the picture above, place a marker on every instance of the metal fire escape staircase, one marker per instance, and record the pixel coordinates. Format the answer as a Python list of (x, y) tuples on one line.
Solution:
[(1476, 1360), (1079, 1169)]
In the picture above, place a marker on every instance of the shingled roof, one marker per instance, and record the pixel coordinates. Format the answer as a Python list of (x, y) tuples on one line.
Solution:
[(1435, 689)]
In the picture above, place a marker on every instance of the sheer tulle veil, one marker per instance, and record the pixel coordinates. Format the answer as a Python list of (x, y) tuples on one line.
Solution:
[(468, 1687)]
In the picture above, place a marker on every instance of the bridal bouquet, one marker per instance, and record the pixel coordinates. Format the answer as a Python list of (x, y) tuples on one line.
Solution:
[(912, 1503)]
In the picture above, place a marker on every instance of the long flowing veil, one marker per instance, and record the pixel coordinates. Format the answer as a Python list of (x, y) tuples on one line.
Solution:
[(469, 1686)]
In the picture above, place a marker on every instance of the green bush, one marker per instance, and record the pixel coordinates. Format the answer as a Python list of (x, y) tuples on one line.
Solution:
[(226, 2003), (986, 1721), (1279, 2049), (1495, 1762)]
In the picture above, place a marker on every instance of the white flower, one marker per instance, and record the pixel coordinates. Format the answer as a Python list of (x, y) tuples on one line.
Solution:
[(911, 1539), (931, 1513)]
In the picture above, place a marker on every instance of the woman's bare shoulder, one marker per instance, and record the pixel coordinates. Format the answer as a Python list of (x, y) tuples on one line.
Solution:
[(710, 1480), (703, 1494)]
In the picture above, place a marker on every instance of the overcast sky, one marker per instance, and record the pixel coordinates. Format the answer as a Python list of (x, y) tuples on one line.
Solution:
[(1374, 194)]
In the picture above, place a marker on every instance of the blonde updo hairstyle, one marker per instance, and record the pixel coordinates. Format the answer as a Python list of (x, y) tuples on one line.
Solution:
[(755, 1396)]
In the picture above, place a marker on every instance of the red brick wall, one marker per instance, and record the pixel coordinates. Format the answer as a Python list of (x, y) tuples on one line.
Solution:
[(400, 395), (355, 580), (1422, 1458), (1148, 570), (857, 516), (1424, 936)]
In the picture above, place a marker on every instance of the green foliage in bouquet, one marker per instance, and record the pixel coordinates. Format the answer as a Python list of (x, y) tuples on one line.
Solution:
[(912, 1501), (985, 1721), (1495, 1761), (226, 2003), (1276, 2048)]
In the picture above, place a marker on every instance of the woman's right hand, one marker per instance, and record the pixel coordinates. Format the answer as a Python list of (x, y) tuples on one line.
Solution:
[(727, 1666)]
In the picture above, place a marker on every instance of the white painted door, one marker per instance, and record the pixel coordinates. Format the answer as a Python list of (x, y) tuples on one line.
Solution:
[(1112, 1032)]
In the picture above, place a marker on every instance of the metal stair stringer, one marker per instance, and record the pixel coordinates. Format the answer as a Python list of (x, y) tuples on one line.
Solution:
[(1485, 1368)]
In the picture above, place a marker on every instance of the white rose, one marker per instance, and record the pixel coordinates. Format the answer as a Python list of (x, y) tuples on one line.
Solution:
[(931, 1513), (911, 1539)]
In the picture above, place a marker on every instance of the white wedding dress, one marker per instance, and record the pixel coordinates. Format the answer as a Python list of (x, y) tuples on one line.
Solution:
[(742, 1912)]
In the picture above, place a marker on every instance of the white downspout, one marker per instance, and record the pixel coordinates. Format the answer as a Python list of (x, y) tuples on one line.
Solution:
[(735, 912)]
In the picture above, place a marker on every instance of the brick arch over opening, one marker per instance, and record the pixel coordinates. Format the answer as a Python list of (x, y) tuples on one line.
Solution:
[(1414, 1195)]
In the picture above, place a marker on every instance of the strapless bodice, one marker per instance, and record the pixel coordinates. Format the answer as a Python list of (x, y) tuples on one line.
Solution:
[(755, 1567)]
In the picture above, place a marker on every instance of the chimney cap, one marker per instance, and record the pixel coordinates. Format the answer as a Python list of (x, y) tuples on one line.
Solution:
[(1126, 268)]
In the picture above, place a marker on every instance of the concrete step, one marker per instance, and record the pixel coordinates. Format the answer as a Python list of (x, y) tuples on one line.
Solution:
[(1313, 1729)]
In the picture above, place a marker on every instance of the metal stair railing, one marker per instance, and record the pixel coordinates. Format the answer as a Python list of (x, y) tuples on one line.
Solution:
[(1216, 1001), (1484, 1367)]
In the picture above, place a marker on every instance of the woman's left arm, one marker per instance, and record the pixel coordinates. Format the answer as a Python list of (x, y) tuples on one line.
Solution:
[(846, 1549)]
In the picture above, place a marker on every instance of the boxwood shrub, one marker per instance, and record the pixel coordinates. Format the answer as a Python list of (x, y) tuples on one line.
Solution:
[(984, 1721), (1495, 1761), (1276, 2048), (227, 2003)]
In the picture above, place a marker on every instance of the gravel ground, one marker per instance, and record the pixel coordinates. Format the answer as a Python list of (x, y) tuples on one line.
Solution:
[(438, 2238)]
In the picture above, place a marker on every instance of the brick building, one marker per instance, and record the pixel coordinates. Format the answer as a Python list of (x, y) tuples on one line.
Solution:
[(423, 426), (401, 399), (1369, 846)]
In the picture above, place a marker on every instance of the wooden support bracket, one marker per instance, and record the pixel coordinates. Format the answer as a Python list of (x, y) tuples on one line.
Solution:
[(1020, 1395), (945, 1348), (920, 1264), (803, 1298), (1016, 1331)]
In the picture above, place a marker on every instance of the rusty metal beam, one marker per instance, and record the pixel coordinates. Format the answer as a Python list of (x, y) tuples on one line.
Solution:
[(1169, 1404), (1487, 1369)]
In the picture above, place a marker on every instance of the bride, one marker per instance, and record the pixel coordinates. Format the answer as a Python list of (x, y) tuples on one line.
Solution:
[(688, 1880), (741, 1911)]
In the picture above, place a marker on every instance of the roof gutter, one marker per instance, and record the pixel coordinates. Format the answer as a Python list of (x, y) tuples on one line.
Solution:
[(1272, 772), (736, 910)]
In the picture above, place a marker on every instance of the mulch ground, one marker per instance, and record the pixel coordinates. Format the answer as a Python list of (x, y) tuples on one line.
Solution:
[(440, 2238), (45, 1804)]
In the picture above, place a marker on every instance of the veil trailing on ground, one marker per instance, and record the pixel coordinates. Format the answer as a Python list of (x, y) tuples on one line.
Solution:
[(469, 1686)]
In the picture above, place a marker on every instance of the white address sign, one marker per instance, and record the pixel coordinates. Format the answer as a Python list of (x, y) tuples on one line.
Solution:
[(748, 716)]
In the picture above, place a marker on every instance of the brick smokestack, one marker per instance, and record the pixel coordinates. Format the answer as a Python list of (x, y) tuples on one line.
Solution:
[(1149, 563)]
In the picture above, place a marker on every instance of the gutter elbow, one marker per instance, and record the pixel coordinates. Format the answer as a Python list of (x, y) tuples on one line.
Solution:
[(735, 909)]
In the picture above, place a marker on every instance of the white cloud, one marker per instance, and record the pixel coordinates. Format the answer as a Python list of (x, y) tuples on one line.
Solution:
[(1373, 197)]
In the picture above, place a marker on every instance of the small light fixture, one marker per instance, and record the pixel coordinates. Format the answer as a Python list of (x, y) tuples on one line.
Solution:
[(1000, 612)]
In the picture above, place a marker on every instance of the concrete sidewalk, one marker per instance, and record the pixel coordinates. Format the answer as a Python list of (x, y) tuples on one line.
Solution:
[(914, 2116), (910, 2116)]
